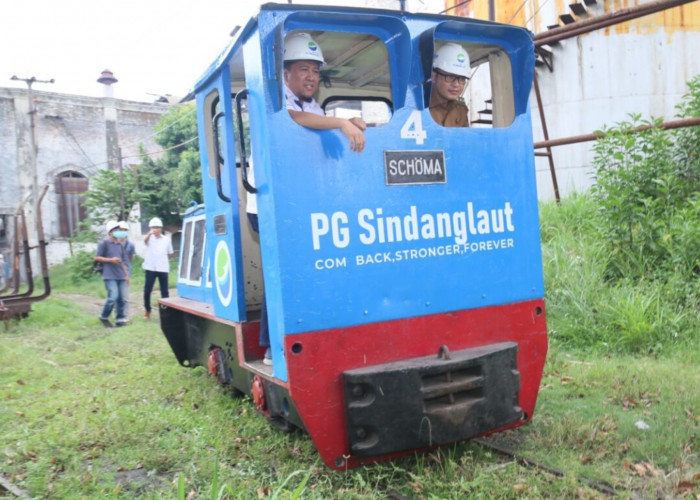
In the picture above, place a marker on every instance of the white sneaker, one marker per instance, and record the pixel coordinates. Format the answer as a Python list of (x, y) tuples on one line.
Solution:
[(267, 359)]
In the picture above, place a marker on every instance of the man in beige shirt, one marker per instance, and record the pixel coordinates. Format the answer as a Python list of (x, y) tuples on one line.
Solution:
[(451, 71)]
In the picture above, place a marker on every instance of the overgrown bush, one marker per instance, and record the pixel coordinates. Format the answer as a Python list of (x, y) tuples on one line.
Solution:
[(80, 266), (648, 195), (588, 310), (627, 279)]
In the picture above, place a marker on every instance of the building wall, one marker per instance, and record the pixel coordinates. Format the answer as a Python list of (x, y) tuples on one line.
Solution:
[(598, 79), (72, 134)]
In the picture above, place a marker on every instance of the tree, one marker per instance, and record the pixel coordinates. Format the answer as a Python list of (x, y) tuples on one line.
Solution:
[(163, 186), (165, 182), (171, 181), (103, 199)]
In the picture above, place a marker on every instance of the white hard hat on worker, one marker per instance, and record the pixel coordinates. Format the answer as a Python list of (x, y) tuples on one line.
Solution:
[(111, 226), (155, 222), (301, 47), (451, 58)]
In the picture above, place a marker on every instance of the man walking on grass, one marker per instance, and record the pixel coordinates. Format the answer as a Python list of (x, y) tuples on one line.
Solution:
[(158, 250), (115, 274)]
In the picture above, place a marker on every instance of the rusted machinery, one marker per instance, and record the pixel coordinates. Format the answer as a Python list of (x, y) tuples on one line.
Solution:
[(15, 302)]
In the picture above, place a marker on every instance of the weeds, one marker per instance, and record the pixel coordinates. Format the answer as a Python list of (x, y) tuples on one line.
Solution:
[(586, 309), (97, 413), (647, 196)]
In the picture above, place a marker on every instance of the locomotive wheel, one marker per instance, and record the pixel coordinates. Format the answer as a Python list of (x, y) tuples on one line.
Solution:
[(258, 391), (216, 365), (212, 361)]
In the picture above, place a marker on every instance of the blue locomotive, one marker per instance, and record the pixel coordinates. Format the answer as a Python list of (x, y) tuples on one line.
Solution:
[(402, 284)]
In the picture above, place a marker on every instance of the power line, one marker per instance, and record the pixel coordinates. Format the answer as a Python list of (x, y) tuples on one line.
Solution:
[(162, 150), (159, 132), (141, 155), (74, 144)]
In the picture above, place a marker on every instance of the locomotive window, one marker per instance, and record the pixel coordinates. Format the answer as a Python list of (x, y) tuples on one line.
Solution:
[(374, 112), (211, 108), (193, 245), (185, 255), (198, 251), (486, 86), (355, 79), (491, 90)]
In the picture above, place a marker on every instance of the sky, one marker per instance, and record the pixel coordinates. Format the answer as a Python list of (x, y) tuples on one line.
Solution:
[(153, 47)]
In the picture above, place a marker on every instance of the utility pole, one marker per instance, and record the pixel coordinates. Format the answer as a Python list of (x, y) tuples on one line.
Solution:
[(32, 140)]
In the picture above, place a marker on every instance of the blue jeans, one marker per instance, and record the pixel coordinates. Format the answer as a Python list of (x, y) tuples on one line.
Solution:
[(116, 294)]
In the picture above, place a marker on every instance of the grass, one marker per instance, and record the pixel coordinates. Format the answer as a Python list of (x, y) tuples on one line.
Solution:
[(586, 311), (89, 412)]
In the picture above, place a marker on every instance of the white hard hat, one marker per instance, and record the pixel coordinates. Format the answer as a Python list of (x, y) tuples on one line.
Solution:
[(111, 225), (155, 222), (123, 224), (301, 47), (452, 58)]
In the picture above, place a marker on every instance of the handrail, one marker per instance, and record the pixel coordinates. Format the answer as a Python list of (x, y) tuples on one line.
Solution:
[(217, 157), (241, 137)]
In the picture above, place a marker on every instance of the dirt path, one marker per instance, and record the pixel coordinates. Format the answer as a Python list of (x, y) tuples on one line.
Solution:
[(93, 305)]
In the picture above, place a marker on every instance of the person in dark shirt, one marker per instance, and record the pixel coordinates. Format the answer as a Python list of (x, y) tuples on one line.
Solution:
[(130, 250), (115, 274)]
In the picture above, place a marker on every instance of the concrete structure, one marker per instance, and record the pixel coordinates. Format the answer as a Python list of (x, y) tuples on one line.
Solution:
[(599, 78), (74, 137)]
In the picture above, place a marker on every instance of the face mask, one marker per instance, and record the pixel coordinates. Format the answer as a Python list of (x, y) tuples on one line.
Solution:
[(120, 234)]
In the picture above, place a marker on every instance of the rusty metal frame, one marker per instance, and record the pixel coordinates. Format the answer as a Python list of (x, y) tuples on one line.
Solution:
[(574, 139), (18, 305), (605, 20), (578, 28)]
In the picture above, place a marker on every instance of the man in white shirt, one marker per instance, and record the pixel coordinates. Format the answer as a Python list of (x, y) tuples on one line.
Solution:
[(159, 248), (302, 74)]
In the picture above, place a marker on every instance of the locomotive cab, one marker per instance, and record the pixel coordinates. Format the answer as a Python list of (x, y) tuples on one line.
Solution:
[(403, 284)]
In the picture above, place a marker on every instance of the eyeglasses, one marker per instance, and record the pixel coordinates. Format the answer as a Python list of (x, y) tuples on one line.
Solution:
[(452, 78)]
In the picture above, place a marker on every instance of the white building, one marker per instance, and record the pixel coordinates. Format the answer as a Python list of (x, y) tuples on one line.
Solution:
[(69, 139)]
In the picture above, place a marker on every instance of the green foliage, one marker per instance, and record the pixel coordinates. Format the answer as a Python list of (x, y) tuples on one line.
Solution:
[(103, 199), (80, 266), (163, 184), (647, 190), (171, 181), (109, 413), (635, 314), (163, 187), (687, 139), (188, 179)]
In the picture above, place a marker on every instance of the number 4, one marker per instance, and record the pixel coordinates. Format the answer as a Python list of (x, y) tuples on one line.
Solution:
[(413, 128)]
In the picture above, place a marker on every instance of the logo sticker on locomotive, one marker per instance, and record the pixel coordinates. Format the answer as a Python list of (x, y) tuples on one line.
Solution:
[(223, 273), (414, 167)]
